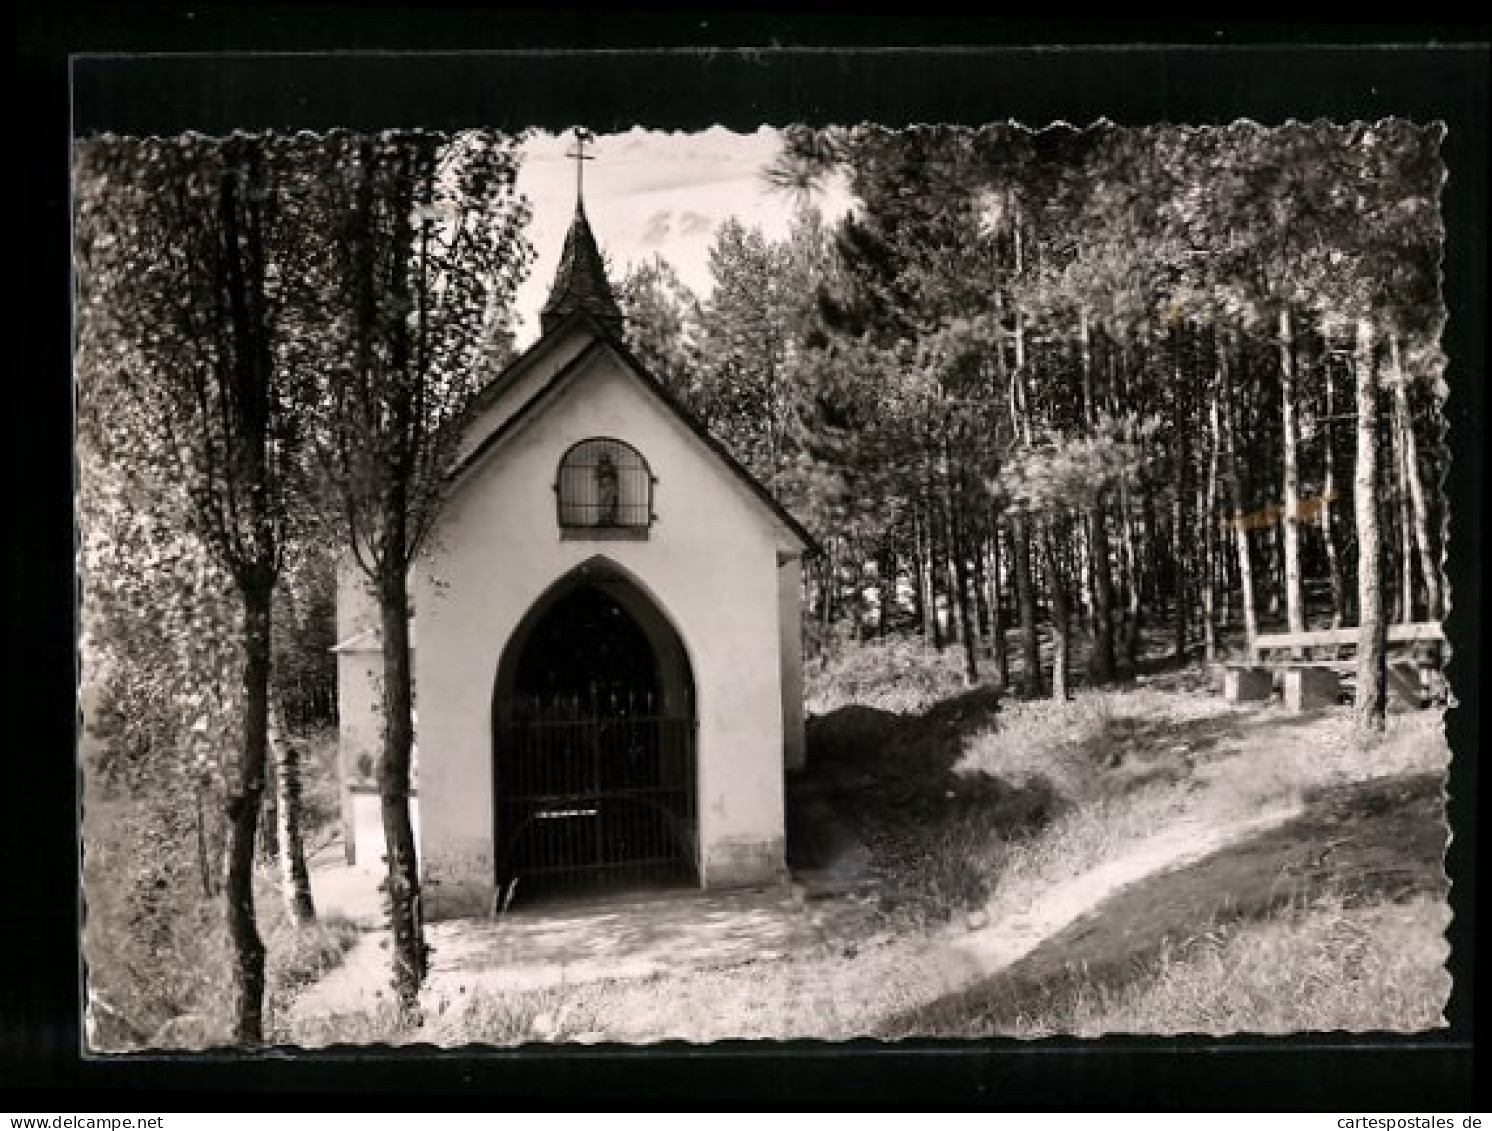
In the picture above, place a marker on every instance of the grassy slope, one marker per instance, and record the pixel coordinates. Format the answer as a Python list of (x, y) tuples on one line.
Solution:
[(1356, 854)]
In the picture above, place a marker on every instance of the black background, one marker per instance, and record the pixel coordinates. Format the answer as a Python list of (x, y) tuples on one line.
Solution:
[(677, 72)]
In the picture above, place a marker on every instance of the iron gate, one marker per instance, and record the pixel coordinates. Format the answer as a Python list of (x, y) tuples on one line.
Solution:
[(590, 792)]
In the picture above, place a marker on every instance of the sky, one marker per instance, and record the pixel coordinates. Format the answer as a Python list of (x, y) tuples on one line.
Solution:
[(649, 192)]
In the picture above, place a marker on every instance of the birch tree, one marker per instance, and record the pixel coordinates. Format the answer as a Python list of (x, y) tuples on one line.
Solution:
[(424, 251)]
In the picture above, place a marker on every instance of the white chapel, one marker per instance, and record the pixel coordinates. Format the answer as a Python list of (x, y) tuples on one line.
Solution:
[(608, 660)]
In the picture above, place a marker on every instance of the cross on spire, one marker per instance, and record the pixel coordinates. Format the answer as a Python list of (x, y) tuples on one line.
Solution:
[(583, 137), (580, 283)]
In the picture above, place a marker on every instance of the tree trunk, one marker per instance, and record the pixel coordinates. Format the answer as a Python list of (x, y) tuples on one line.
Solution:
[(1103, 593), (1021, 529), (1328, 515), (885, 591), (996, 614), (1025, 600), (1227, 548), (1429, 567), (403, 894), (857, 603), (1083, 601), (267, 847), (965, 615), (1061, 616), (1209, 537), (1181, 556), (1294, 605), (243, 806), (919, 584), (930, 578), (1274, 567), (952, 578), (1102, 662), (1372, 692), (1402, 513), (295, 878), (826, 605), (204, 856), (1134, 566), (979, 586), (1241, 518)]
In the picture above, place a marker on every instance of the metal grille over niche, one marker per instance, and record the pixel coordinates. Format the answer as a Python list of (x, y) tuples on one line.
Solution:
[(604, 483), (595, 790)]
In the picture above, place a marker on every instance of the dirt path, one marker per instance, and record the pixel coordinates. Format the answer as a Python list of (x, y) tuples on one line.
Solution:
[(1155, 863), (565, 944), (1382, 839), (843, 987)]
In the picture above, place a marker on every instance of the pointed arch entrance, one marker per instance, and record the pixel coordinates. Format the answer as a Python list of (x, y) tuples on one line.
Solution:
[(594, 731)]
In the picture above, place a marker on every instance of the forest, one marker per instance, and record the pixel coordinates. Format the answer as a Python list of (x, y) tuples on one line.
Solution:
[(1097, 383), (1069, 402)]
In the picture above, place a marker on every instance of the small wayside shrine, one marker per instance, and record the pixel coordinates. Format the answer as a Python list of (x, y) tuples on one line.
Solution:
[(608, 668)]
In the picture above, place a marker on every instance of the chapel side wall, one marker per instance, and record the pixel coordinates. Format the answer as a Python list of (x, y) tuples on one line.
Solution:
[(359, 730), (357, 608), (358, 701), (790, 629), (709, 563)]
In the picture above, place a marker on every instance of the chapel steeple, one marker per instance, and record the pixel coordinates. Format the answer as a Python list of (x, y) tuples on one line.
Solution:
[(581, 283)]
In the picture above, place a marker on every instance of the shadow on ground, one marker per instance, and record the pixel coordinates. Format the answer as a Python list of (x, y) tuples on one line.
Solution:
[(1375, 841), (881, 763), (926, 828)]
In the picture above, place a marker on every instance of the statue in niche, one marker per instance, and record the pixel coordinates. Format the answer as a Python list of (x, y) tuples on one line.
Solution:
[(606, 491)]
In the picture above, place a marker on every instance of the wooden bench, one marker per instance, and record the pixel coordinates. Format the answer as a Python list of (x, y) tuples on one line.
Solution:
[(1310, 679)]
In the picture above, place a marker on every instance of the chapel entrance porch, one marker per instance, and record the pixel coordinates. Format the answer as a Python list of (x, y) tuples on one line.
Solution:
[(594, 746)]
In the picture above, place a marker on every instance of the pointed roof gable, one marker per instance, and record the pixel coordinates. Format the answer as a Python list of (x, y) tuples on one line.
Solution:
[(582, 298), (601, 342), (581, 283)]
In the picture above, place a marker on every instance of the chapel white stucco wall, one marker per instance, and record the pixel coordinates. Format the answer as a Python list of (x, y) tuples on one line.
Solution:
[(360, 711), (710, 564), (359, 671)]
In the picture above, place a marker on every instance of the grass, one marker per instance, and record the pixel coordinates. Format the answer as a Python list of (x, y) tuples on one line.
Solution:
[(296, 955), (1355, 845), (300, 955), (382, 1025), (823, 993), (158, 959), (974, 791), (481, 1017), (559, 1014), (1124, 766), (1321, 965), (901, 675), (1118, 770)]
